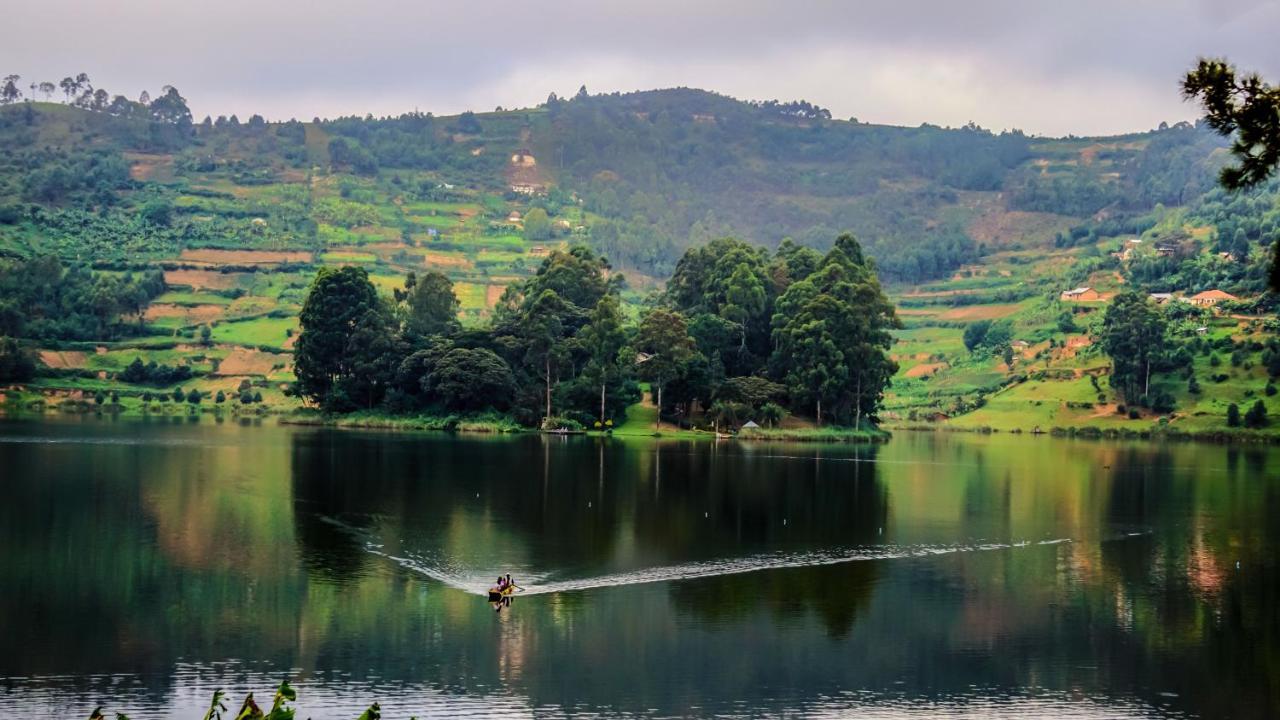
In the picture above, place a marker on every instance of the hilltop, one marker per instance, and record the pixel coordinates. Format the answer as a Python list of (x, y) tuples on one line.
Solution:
[(965, 226)]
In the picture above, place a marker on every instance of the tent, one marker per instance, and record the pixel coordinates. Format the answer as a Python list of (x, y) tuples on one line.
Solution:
[(750, 424)]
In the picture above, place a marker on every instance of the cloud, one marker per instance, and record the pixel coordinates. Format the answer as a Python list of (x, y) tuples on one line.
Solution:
[(1083, 67)]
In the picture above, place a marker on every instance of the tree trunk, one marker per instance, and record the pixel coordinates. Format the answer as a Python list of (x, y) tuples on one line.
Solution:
[(657, 420), (548, 377), (819, 412), (1146, 388), (857, 399), (602, 403)]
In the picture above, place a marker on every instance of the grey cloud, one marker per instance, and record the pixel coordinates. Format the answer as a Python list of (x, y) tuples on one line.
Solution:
[(1087, 66)]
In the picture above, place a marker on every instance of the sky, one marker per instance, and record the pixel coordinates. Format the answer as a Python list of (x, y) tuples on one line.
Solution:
[(1048, 67)]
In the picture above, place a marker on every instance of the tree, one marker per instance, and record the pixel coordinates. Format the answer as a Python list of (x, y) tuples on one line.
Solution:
[(69, 87), (1257, 415), (1233, 415), (433, 306), (542, 329), (1249, 109), (831, 336), (537, 226), (603, 337), (178, 395), (220, 398), (47, 89), (194, 397), (471, 379), (771, 414), (157, 212), (337, 300), (16, 363), (171, 107), (975, 333), (1133, 335), (664, 349), (9, 92), (206, 335)]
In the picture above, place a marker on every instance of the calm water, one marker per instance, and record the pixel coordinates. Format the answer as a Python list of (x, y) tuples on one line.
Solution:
[(144, 565)]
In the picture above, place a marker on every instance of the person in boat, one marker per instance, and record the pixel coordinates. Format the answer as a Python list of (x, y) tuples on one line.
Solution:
[(509, 582)]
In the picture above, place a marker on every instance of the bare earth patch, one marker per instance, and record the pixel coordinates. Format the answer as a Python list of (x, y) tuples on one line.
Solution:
[(244, 257), (493, 293), (244, 361), (439, 259), (191, 315), (64, 359), (979, 312), (202, 279), (924, 369)]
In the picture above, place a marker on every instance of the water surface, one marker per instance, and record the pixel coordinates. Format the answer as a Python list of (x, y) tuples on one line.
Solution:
[(143, 565)]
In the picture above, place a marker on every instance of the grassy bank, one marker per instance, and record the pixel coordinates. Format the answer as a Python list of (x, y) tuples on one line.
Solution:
[(486, 423)]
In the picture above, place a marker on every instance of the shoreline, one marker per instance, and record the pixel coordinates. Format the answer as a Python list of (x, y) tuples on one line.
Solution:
[(496, 424)]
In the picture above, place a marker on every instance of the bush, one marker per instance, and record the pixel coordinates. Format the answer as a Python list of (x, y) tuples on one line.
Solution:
[(1233, 415), (1133, 414), (194, 397), (1257, 415), (220, 398)]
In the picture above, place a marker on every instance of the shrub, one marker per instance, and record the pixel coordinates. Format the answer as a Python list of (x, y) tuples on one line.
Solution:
[(220, 398), (1233, 415), (1257, 415)]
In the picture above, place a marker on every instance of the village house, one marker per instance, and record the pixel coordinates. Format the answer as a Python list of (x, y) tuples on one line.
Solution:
[(1161, 298), (523, 158), (1081, 294), (1209, 298)]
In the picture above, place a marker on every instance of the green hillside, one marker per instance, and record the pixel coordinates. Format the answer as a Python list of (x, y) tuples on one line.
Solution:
[(197, 240)]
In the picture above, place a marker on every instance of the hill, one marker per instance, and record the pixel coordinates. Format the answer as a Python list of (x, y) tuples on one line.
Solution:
[(964, 224)]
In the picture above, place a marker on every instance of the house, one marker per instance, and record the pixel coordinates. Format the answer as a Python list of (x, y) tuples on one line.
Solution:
[(1167, 249), (1209, 298), (1081, 294), (1202, 330), (1020, 344), (1161, 298), (523, 158), (750, 425), (514, 216)]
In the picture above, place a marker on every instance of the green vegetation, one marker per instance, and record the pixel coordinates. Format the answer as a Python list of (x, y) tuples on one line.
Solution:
[(192, 245)]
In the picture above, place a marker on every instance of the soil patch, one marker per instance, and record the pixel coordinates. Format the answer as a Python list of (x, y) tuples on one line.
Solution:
[(979, 312), (244, 257), (202, 279), (493, 293), (924, 369), (190, 314), (439, 259), (245, 361), (64, 359)]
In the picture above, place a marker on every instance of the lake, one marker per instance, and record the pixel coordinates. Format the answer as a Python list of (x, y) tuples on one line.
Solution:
[(145, 564)]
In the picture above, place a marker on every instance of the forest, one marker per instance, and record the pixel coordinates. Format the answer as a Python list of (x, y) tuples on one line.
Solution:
[(741, 335)]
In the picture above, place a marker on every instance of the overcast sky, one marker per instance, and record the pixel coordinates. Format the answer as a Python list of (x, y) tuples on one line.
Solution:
[(1045, 66)]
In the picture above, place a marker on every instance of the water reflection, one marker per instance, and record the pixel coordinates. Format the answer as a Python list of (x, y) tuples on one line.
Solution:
[(146, 564)]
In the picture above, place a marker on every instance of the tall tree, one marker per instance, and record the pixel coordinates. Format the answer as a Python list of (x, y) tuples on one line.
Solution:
[(542, 329), (831, 335), (433, 306), (9, 92), (604, 337), (664, 349), (1133, 335), (337, 300)]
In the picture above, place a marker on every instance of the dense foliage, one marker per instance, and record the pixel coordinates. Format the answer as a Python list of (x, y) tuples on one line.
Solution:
[(45, 300), (738, 327)]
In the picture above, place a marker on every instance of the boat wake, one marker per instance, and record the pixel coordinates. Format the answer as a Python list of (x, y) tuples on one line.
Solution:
[(478, 582)]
